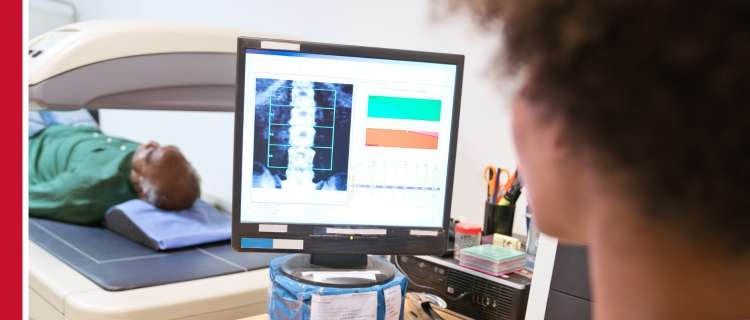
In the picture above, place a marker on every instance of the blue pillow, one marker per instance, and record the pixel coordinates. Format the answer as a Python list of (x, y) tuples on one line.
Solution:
[(39, 120), (158, 229)]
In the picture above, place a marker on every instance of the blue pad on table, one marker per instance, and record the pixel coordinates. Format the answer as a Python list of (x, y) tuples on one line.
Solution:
[(158, 229)]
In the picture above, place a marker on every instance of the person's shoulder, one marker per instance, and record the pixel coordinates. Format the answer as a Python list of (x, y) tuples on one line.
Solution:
[(57, 129)]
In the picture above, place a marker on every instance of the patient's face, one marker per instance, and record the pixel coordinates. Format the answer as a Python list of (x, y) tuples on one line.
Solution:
[(163, 176), (147, 158)]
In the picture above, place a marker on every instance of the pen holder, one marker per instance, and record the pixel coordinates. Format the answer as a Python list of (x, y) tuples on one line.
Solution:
[(498, 219)]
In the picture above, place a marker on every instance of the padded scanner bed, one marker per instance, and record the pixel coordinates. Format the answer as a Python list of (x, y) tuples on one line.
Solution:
[(78, 272), (116, 263)]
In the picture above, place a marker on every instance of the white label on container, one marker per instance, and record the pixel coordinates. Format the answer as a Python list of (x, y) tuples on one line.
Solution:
[(392, 297), (355, 306), (325, 275)]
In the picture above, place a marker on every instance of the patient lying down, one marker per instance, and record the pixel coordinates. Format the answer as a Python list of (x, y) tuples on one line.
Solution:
[(76, 173)]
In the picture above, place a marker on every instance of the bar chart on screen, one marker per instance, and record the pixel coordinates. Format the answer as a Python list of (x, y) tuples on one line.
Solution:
[(400, 122), (403, 108), (401, 138)]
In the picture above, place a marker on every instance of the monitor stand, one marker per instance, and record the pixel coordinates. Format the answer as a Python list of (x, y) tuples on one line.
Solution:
[(339, 270)]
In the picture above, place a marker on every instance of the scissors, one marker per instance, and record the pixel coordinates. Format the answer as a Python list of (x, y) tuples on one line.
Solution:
[(496, 179)]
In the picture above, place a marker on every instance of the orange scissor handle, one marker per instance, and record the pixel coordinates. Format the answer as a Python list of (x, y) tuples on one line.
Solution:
[(503, 181), (490, 178), (497, 180)]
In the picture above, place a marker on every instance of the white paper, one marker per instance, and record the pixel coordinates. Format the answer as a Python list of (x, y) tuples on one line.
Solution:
[(324, 275), (392, 302), (355, 306)]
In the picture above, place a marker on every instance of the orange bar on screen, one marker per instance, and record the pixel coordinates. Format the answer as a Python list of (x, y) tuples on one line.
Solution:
[(401, 138)]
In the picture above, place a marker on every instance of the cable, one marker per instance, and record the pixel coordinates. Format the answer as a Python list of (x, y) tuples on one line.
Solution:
[(427, 308)]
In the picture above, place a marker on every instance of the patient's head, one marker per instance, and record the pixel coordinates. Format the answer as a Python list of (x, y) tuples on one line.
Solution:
[(162, 176)]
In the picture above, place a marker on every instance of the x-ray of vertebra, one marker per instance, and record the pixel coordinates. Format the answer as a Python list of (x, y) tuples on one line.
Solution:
[(301, 134)]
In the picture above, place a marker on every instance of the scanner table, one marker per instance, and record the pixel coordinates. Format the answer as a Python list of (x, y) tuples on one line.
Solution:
[(66, 262)]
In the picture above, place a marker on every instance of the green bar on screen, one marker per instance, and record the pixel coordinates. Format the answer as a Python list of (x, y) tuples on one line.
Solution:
[(403, 108)]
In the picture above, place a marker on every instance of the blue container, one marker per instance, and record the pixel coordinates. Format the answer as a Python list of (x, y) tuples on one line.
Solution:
[(291, 299)]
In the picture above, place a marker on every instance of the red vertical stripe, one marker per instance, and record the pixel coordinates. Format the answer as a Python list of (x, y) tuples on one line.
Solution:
[(11, 159)]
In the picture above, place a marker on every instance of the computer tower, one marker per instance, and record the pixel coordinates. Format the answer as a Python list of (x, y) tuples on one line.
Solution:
[(468, 292)]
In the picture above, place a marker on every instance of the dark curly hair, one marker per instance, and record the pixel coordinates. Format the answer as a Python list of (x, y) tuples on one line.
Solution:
[(658, 89)]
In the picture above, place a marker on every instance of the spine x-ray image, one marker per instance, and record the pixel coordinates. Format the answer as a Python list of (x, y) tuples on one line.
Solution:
[(301, 134)]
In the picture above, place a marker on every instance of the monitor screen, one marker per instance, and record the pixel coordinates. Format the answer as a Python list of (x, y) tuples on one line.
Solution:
[(344, 137)]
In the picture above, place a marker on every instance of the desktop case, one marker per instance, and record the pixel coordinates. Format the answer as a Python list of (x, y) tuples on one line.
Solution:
[(468, 292)]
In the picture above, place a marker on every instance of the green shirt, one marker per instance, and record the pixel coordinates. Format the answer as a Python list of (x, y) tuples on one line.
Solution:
[(77, 173)]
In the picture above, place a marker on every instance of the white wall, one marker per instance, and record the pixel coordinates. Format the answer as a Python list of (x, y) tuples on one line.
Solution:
[(46, 15), (484, 129)]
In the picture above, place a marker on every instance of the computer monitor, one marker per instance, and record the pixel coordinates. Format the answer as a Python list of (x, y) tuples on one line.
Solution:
[(343, 149)]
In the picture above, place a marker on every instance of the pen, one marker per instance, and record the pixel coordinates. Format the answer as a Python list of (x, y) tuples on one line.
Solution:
[(511, 181), (497, 186)]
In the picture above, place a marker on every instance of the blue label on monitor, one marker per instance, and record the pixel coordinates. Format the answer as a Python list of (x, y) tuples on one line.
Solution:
[(256, 243)]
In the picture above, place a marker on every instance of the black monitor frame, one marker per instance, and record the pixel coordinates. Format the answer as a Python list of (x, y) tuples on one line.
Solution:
[(398, 240)]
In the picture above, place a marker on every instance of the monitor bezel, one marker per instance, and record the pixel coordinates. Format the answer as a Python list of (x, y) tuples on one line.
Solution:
[(399, 239)]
